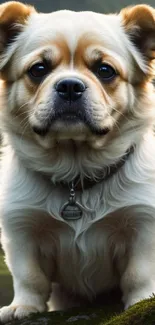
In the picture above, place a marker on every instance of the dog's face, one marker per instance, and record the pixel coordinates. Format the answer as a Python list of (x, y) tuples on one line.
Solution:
[(75, 76)]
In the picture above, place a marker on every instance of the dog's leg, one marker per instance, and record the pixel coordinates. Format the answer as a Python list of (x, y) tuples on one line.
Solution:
[(31, 286), (138, 278), (138, 281)]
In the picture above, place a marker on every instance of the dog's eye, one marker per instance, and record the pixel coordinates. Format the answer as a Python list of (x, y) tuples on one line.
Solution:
[(106, 72), (39, 71)]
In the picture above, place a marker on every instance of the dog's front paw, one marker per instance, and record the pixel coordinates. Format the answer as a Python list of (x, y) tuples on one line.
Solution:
[(16, 312)]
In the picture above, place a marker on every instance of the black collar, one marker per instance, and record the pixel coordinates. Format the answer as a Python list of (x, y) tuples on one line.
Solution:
[(72, 209), (109, 171)]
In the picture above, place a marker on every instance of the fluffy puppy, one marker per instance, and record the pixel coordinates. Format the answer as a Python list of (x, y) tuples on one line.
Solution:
[(78, 169)]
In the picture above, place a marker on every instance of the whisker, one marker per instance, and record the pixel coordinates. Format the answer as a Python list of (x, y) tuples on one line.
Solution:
[(25, 104)]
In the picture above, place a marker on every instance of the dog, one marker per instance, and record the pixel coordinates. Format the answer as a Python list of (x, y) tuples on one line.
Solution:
[(78, 164)]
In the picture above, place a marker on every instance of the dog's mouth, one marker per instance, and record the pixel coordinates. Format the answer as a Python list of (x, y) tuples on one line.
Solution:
[(67, 121), (70, 114), (69, 117)]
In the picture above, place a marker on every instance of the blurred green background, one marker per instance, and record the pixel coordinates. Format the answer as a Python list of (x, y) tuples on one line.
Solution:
[(5, 283), (48, 6)]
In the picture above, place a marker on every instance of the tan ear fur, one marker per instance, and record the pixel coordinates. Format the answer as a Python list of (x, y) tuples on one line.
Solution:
[(12, 15), (139, 23)]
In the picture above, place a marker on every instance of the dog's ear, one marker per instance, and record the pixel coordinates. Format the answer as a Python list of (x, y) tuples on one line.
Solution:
[(139, 24), (13, 16)]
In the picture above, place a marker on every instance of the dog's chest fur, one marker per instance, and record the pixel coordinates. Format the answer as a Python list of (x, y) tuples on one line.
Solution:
[(80, 263), (83, 255)]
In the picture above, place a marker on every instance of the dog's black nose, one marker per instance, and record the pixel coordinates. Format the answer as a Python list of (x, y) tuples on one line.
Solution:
[(70, 88)]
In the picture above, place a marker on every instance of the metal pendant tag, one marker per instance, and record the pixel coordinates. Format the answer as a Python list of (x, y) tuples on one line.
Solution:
[(71, 210)]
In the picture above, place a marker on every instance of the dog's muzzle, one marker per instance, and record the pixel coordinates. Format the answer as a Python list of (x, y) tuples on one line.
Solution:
[(70, 109), (69, 101)]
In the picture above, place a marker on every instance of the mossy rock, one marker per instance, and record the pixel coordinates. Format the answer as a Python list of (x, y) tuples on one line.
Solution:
[(108, 312), (142, 313)]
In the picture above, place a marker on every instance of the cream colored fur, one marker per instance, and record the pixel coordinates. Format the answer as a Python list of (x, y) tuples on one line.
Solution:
[(114, 241)]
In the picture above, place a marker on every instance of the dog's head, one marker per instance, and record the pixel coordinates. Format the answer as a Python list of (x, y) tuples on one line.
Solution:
[(78, 76)]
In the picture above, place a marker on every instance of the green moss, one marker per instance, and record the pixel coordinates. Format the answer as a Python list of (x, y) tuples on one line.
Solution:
[(143, 313)]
